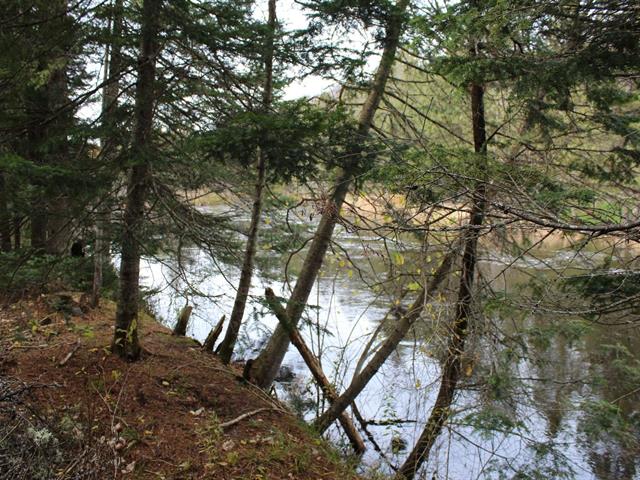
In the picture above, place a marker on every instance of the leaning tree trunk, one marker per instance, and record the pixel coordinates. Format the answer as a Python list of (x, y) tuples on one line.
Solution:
[(112, 66), (400, 330), (212, 338), (264, 369), (316, 370), (182, 323), (225, 350), (460, 327), (125, 339)]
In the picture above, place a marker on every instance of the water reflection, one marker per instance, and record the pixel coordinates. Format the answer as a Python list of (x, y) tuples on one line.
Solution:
[(540, 389)]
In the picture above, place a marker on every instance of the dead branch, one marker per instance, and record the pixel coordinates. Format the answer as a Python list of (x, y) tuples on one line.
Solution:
[(64, 361), (244, 416)]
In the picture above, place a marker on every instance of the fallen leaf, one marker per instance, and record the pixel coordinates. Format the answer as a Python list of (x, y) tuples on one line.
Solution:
[(129, 468)]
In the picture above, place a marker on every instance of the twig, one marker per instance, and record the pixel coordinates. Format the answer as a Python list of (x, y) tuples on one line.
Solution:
[(383, 423), (245, 415), (64, 361), (73, 464), (9, 433)]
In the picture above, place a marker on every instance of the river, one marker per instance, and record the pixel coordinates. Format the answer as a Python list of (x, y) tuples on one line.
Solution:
[(555, 401)]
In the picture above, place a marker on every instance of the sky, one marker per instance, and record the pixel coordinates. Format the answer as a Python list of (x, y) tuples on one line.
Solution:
[(292, 17)]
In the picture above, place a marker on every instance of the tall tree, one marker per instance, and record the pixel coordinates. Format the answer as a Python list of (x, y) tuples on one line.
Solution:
[(125, 339), (459, 329), (109, 144), (48, 123), (265, 367), (225, 349)]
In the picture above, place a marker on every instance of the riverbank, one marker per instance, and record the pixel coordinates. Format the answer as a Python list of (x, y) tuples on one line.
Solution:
[(69, 409), (380, 213)]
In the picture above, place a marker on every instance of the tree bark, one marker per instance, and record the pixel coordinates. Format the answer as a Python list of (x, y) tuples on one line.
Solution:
[(17, 232), (316, 370), (459, 329), (112, 66), (38, 227), (36, 112), (59, 226), (5, 217), (265, 367), (225, 350), (125, 340), (215, 332), (183, 321)]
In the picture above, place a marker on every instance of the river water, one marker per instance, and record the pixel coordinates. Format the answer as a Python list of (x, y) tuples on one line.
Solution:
[(545, 404)]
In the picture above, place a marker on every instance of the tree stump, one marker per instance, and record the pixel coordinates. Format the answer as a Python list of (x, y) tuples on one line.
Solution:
[(212, 338), (183, 320)]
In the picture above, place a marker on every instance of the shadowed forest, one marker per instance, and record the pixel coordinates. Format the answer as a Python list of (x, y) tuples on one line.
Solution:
[(320, 239)]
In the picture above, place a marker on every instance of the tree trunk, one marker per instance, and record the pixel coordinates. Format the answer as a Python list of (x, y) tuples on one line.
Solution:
[(17, 233), (36, 114), (265, 367), (49, 120), (314, 366), (99, 259), (5, 217), (459, 329), (59, 225), (211, 339), (401, 329), (183, 321), (60, 218), (225, 350), (112, 66), (125, 340), (38, 227), (35, 111)]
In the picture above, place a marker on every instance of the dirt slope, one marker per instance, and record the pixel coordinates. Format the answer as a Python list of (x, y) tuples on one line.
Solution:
[(163, 417)]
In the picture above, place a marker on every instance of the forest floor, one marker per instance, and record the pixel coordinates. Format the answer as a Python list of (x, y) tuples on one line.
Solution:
[(71, 410)]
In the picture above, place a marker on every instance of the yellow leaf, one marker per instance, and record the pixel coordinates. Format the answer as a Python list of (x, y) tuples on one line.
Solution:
[(469, 370), (399, 258)]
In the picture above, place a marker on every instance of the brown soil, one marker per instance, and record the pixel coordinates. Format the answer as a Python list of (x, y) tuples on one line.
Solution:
[(164, 412)]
